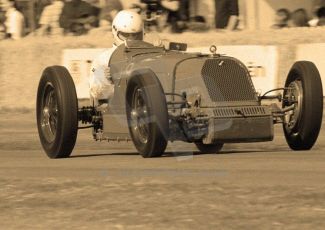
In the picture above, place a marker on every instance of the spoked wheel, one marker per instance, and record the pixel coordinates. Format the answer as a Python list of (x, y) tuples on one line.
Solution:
[(139, 116), (209, 148), (303, 92), (49, 113), (57, 112), (147, 114)]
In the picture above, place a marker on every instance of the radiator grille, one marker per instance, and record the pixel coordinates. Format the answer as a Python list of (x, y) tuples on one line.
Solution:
[(227, 80), (241, 111)]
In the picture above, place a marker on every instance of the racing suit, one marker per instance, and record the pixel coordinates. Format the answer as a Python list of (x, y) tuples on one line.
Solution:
[(101, 86)]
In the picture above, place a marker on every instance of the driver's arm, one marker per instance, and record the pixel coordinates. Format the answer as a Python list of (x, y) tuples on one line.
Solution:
[(101, 85)]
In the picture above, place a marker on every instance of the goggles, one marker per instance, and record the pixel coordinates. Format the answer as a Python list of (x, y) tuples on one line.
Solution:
[(130, 36)]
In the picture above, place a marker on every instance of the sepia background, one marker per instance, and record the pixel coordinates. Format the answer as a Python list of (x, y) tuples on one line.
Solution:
[(109, 186)]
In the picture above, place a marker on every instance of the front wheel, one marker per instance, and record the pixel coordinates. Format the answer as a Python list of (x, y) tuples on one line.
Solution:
[(57, 112), (303, 92), (147, 114)]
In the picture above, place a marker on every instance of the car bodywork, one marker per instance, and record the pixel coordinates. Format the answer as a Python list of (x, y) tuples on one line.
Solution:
[(210, 98)]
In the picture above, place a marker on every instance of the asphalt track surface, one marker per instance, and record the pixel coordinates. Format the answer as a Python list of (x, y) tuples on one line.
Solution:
[(109, 186)]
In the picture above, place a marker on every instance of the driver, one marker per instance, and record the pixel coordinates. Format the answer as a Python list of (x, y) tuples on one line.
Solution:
[(127, 25)]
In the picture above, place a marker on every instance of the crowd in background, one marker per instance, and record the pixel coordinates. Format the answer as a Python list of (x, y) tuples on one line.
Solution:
[(77, 17), (299, 18), (11, 21)]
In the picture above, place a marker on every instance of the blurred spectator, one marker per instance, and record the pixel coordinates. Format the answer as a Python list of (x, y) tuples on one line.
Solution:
[(314, 21), (299, 18), (318, 3), (177, 14), (319, 12), (173, 13), (2, 14), (2, 32), (49, 21), (194, 6), (2, 25), (321, 16), (226, 14), (14, 20), (78, 17), (109, 11), (282, 18), (152, 13), (197, 22)]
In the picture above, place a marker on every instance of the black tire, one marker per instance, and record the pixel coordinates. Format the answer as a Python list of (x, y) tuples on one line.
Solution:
[(147, 114), (301, 129), (209, 148), (57, 112)]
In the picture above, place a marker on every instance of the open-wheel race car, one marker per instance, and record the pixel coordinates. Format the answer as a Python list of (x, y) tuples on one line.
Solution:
[(166, 95)]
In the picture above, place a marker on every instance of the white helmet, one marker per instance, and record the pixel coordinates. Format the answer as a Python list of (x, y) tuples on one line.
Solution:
[(127, 25)]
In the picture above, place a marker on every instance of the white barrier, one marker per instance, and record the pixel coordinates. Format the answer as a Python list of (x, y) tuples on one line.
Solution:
[(262, 61), (78, 62), (315, 53)]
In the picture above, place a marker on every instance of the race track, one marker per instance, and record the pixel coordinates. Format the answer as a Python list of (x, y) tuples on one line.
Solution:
[(108, 186)]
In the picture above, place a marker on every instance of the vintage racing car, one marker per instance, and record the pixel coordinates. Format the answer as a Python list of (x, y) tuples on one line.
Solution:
[(166, 95)]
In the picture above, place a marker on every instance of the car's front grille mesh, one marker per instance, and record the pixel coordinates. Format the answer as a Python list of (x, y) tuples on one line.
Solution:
[(227, 80), (241, 111)]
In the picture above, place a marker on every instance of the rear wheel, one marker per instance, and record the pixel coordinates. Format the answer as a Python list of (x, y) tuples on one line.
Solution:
[(147, 114), (57, 112), (304, 92), (209, 148)]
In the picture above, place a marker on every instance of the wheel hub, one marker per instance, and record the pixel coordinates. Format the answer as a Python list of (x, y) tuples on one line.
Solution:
[(139, 117), (49, 116), (46, 114), (294, 97)]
